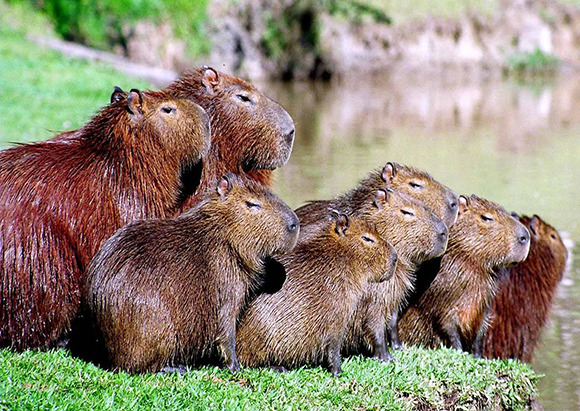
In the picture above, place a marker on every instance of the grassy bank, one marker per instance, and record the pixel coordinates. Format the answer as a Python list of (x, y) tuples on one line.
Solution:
[(419, 379)]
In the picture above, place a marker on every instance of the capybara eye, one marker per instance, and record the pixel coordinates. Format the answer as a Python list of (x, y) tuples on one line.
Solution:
[(415, 184), (368, 239), (486, 217), (407, 212), (168, 110), (254, 205), (243, 98), (553, 236)]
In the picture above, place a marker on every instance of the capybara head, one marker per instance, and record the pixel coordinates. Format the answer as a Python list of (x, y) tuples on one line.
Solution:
[(547, 243), (259, 223), (258, 128), (174, 124), (487, 232), (420, 185), (367, 250), (415, 231)]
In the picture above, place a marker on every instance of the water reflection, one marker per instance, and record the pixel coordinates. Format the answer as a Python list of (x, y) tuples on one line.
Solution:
[(514, 142)]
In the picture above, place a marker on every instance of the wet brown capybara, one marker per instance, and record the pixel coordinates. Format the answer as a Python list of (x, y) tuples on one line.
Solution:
[(525, 295), (304, 323), (401, 178), (60, 198), (166, 293), (251, 134), (452, 310), (417, 235)]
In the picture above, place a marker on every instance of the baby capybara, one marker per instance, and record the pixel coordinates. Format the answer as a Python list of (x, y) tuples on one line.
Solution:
[(251, 134), (401, 178), (417, 235), (525, 294), (166, 293), (61, 198), (452, 310), (304, 323)]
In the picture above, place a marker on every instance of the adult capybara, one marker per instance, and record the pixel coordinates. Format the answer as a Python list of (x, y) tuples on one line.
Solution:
[(417, 235), (525, 294), (59, 199), (251, 134), (303, 324), (451, 312), (401, 178), (166, 293)]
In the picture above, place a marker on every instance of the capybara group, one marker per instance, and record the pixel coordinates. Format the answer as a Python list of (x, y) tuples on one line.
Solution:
[(61, 198), (525, 294), (251, 134), (166, 293), (304, 323), (452, 311)]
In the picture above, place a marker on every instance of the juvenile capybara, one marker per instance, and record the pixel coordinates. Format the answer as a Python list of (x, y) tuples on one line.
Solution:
[(304, 323), (165, 293), (251, 134), (401, 178), (417, 235), (525, 294), (61, 198), (452, 310)]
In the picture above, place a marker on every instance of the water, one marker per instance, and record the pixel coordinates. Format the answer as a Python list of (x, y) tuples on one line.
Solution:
[(514, 142)]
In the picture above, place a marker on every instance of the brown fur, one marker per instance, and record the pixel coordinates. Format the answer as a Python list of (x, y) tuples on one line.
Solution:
[(59, 199), (251, 134), (452, 310), (417, 235), (169, 292), (401, 178), (305, 321), (525, 294)]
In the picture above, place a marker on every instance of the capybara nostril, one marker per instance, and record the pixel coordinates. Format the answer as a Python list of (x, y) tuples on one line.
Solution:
[(524, 236), (289, 137), (292, 227)]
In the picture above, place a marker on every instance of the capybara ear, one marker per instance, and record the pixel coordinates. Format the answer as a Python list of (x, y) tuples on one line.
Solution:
[(342, 224), (463, 204), (381, 198), (210, 79), (135, 102), (515, 215), (389, 172), (118, 94), (535, 225), (224, 186)]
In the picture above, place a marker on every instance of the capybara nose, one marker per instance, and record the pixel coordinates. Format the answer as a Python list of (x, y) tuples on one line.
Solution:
[(293, 223), (289, 137), (442, 231), (523, 236)]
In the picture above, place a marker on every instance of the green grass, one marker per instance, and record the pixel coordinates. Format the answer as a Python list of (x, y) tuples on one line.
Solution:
[(435, 379), (44, 92)]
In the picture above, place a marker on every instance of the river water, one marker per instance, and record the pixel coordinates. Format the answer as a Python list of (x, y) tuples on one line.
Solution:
[(515, 142)]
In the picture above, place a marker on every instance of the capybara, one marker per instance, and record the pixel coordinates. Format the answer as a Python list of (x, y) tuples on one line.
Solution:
[(304, 323), (525, 294), (165, 293), (61, 198), (452, 310), (417, 235), (401, 178), (251, 134)]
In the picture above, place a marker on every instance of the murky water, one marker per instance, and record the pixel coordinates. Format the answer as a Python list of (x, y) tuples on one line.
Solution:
[(516, 143)]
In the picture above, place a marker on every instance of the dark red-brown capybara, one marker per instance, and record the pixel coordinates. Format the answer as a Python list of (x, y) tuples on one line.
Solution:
[(304, 323), (61, 198), (525, 295), (452, 310), (166, 293), (400, 178), (251, 134), (417, 235)]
